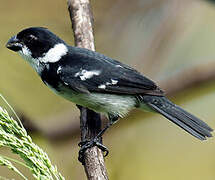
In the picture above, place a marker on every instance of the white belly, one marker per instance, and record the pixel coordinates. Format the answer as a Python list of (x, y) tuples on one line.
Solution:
[(103, 103)]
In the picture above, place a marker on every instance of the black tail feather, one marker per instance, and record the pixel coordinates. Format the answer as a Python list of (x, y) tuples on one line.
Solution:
[(177, 115)]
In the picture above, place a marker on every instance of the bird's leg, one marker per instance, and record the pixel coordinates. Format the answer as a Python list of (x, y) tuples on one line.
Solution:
[(96, 141)]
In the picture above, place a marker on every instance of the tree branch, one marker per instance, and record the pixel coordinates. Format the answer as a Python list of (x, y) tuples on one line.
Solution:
[(90, 122)]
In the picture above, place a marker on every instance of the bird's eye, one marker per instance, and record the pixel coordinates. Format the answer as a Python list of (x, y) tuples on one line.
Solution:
[(31, 37)]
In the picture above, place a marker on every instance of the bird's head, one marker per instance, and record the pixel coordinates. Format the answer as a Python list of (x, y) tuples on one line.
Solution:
[(37, 44)]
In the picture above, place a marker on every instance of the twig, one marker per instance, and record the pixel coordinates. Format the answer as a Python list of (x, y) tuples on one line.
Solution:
[(82, 24)]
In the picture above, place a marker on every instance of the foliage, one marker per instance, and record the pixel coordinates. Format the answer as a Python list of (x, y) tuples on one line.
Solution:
[(15, 137)]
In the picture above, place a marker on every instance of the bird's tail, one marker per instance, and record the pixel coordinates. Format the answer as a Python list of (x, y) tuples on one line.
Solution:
[(177, 115)]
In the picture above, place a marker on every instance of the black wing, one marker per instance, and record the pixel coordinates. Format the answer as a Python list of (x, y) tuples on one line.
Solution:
[(110, 76)]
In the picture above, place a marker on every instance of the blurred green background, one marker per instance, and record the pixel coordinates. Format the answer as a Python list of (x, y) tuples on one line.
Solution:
[(161, 38)]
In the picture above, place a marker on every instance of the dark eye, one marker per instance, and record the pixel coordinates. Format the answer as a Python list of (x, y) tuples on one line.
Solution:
[(31, 38)]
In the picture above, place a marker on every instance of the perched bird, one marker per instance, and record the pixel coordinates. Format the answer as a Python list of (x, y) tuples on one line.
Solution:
[(95, 81)]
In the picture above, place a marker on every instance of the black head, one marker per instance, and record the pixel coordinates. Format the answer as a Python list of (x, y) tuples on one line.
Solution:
[(37, 40)]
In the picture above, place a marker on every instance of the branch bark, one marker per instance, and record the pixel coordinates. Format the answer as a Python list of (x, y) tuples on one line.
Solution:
[(90, 122)]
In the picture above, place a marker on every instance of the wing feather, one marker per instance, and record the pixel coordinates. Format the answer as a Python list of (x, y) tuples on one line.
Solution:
[(113, 77)]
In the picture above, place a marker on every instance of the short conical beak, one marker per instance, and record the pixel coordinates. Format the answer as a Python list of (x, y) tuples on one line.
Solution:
[(14, 44)]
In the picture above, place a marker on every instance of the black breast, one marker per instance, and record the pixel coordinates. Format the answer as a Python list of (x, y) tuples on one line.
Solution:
[(49, 75)]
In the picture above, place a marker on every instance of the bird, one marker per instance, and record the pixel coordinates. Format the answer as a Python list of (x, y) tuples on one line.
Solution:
[(97, 82)]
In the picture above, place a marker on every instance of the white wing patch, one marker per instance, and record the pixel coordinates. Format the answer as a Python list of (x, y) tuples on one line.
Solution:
[(113, 82), (102, 86), (54, 54), (84, 74), (59, 70), (119, 66)]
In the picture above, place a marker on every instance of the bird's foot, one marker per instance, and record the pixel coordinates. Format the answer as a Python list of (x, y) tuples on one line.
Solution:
[(88, 144)]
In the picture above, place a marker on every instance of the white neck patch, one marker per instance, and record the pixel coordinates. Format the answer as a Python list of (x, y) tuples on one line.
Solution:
[(54, 54), (26, 54)]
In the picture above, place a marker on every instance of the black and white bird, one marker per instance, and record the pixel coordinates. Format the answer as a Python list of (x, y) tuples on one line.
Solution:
[(95, 81)]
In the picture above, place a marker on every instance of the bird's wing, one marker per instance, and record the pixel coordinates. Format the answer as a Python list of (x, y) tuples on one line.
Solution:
[(94, 72)]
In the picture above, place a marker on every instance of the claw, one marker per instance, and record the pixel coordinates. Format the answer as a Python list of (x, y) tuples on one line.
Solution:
[(88, 144), (96, 141)]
